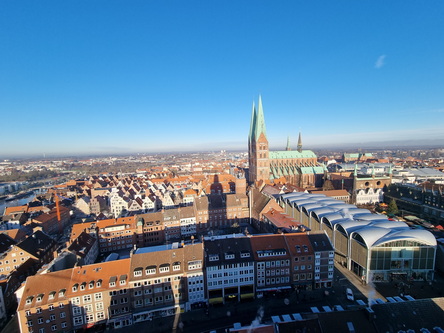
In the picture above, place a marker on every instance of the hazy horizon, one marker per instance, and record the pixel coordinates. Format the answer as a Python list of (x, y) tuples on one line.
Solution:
[(109, 77)]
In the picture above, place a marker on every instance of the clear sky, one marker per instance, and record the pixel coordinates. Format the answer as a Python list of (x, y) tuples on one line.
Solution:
[(105, 76)]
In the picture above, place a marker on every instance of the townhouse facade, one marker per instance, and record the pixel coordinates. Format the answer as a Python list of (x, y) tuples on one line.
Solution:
[(165, 280), (229, 268)]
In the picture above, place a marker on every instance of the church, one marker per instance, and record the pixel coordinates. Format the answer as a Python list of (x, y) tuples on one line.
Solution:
[(299, 167)]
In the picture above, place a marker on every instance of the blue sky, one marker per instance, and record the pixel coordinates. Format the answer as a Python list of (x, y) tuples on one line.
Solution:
[(85, 77)]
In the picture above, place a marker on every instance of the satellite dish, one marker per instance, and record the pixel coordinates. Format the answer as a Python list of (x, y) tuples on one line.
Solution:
[(47, 321)]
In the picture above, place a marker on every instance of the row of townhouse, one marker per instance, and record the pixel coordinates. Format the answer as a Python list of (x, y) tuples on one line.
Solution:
[(166, 280), (141, 230), (120, 196)]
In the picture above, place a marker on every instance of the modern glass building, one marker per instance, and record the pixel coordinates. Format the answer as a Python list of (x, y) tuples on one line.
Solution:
[(370, 245)]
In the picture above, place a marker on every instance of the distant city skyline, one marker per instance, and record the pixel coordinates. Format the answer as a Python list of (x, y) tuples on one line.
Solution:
[(150, 77)]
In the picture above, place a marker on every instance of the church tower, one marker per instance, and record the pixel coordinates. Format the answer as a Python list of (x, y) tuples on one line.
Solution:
[(259, 164), (300, 143)]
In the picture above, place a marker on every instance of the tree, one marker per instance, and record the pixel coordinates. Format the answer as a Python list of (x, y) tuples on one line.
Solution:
[(392, 208)]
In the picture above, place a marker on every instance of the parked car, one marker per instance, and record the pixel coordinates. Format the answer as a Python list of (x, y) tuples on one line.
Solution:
[(349, 294)]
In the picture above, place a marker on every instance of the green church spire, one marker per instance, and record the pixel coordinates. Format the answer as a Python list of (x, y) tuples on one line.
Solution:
[(288, 144), (259, 126), (253, 119)]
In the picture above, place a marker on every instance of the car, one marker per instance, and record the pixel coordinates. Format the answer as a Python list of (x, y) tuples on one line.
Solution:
[(349, 294)]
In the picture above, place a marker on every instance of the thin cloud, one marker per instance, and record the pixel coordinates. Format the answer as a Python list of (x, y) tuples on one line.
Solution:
[(380, 62)]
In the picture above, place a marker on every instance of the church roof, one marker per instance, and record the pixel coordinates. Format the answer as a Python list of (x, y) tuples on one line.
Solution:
[(288, 154)]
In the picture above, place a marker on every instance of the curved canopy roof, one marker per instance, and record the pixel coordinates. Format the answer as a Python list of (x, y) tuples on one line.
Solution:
[(350, 225), (369, 216), (371, 234), (321, 211), (418, 235), (333, 217)]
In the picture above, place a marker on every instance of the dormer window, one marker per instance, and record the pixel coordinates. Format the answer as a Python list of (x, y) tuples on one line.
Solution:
[(91, 285), (122, 280), (62, 292), (29, 300), (99, 283), (138, 271), (51, 295), (229, 256), (83, 286), (164, 268), (176, 266), (213, 257), (245, 254), (150, 270), (39, 298)]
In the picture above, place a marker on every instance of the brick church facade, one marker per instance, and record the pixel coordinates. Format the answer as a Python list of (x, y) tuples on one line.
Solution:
[(298, 167)]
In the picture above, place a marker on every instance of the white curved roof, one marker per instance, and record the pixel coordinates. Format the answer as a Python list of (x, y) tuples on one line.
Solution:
[(302, 202), (371, 234), (333, 217), (417, 235), (351, 225), (311, 206), (369, 216), (390, 224), (291, 195), (338, 221), (341, 205), (328, 201), (322, 211)]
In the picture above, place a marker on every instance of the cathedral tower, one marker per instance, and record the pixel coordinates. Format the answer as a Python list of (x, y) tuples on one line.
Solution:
[(259, 164)]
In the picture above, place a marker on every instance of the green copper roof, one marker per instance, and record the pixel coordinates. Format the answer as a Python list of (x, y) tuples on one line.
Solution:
[(259, 121), (253, 118), (291, 154)]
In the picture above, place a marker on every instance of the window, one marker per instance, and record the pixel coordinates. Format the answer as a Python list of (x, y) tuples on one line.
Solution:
[(29, 323), (150, 270), (52, 317), (28, 313), (39, 320), (98, 296), (75, 287), (87, 299), (164, 269), (51, 307), (64, 325), (99, 306), (138, 272), (62, 314), (76, 310), (100, 316), (90, 317), (39, 310), (78, 321)]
